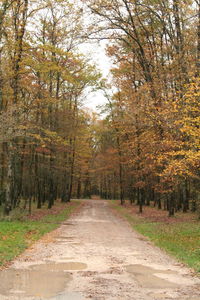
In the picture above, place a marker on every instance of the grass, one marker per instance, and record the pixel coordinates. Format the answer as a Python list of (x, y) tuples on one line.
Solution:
[(178, 238), (16, 236)]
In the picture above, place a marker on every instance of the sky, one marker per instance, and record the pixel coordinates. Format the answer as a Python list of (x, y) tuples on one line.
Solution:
[(96, 51)]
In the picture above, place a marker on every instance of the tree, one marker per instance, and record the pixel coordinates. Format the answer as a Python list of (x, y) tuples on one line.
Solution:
[(149, 43), (45, 78)]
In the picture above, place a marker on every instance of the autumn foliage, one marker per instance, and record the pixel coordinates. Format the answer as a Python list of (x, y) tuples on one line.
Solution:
[(145, 146), (153, 109)]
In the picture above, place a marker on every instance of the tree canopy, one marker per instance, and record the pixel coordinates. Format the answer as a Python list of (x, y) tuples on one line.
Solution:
[(145, 147)]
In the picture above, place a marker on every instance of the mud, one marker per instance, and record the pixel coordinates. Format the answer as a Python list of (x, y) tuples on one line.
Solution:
[(147, 277), (101, 258), (33, 283), (56, 267), (42, 280)]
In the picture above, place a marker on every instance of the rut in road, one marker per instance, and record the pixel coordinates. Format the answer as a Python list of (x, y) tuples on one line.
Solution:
[(96, 255)]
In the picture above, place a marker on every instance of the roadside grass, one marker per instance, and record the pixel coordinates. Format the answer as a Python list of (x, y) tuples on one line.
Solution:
[(16, 236), (181, 239)]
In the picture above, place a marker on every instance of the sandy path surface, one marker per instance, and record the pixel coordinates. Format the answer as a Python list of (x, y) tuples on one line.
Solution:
[(96, 255)]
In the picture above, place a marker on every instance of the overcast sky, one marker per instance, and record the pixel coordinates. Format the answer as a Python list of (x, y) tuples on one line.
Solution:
[(96, 52)]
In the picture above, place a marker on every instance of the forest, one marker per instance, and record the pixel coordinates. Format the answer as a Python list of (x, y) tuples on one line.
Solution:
[(144, 146)]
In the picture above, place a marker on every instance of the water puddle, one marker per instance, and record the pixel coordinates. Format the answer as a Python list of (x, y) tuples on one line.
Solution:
[(66, 258), (149, 277), (55, 267), (44, 281), (33, 283), (65, 240), (68, 224), (158, 296), (65, 237), (68, 296)]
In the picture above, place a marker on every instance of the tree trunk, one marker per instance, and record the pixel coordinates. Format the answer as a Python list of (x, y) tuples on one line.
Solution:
[(8, 200), (171, 205), (198, 43)]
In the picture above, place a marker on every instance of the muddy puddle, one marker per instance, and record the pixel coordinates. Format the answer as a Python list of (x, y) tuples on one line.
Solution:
[(45, 280), (55, 267), (65, 238), (149, 278), (68, 296), (66, 258), (68, 224)]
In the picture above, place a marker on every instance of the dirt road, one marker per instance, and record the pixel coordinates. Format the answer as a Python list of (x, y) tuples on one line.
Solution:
[(96, 255)]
